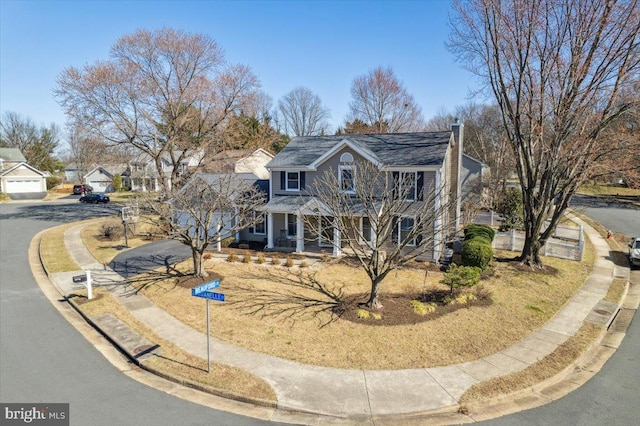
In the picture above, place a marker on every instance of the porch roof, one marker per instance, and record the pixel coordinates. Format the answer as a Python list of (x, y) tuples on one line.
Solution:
[(287, 204)]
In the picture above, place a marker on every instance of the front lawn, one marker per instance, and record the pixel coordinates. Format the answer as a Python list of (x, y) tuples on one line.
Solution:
[(309, 314)]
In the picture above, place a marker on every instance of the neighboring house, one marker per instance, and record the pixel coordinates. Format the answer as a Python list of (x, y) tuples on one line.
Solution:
[(240, 161), (143, 174), (474, 178), (432, 159), (256, 232), (18, 179), (72, 173), (100, 179)]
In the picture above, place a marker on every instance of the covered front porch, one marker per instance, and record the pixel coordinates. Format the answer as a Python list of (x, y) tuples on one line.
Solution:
[(294, 224)]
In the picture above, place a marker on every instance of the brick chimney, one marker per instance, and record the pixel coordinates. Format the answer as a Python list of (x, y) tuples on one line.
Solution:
[(457, 129)]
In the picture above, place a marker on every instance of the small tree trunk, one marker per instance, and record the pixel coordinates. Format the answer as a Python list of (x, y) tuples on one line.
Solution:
[(373, 302), (198, 264)]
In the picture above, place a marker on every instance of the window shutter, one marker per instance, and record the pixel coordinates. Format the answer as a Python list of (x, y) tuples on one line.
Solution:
[(420, 186), (418, 224), (302, 180), (396, 184), (283, 180)]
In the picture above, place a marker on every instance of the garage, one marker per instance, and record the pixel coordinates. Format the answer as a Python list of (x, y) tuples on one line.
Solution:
[(23, 185)]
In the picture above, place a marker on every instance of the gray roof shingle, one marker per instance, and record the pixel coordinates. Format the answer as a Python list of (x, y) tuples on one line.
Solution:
[(391, 149)]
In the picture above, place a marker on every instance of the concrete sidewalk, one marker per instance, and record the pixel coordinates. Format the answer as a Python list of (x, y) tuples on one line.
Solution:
[(364, 394)]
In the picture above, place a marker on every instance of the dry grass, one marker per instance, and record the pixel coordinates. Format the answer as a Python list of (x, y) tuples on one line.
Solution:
[(103, 249), (294, 314), (54, 257), (608, 190), (176, 361), (548, 367), (615, 291)]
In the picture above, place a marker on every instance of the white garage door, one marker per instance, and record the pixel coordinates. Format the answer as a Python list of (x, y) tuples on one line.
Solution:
[(23, 185)]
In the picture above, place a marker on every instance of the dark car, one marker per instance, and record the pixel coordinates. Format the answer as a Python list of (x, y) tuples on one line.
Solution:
[(94, 198), (79, 189)]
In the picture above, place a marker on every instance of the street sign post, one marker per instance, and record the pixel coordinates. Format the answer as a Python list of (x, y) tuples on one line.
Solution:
[(204, 287), (203, 291)]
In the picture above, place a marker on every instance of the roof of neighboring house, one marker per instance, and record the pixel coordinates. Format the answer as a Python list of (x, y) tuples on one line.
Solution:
[(19, 165), (390, 149), (12, 154), (224, 161)]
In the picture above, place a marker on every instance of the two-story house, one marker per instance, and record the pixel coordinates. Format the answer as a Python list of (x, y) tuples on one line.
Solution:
[(427, 159)]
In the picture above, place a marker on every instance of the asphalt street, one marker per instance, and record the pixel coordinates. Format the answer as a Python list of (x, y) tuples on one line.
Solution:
[(44, 359)]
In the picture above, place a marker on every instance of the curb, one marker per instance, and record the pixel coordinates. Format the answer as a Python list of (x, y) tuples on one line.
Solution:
[(132, 359), (594, 355)]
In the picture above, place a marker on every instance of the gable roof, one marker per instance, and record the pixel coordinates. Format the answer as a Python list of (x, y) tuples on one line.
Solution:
[(21, 166), (389, 149), (12, 154)]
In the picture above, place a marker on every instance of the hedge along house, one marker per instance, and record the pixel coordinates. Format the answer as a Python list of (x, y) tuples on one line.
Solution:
[(427, 163)]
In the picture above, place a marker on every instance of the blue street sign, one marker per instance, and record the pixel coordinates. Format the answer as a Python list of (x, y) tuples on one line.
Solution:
[(211, 295), (204, 287)]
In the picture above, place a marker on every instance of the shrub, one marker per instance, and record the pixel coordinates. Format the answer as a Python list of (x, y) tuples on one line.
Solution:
[(112, 230), (117, 182), (289, 262), (303, 264), (275, 260), (463, 299), (226, 242), (261, 259), (473, 231), (422, 308), (509, 205), (362, 314), (477, 252), (246, 258), (53, 181), (461, 276), (232, 257), (207, 256)]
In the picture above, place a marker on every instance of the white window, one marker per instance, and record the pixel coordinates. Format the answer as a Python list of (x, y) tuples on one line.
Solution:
[(366, 229), (408, 185), (347, 179), (405, 228), (261, 227), (293, 181)]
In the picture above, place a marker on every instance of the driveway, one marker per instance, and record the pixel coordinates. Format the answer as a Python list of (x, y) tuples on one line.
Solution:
[(149, 257)]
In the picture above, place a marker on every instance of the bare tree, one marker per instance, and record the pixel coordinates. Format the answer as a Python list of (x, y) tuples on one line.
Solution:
[(556, 69), (37, 144), (208, 209), (84, 150), (401, 222), (164, 92), (381, 101), (302, 113)]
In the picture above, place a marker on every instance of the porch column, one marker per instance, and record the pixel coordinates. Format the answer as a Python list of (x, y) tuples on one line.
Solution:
[(237, 212), (218, 238), (269, 230), (337, 249), (299, 233)]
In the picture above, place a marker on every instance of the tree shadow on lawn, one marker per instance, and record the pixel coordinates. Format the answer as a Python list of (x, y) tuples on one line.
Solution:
[(301, 296)]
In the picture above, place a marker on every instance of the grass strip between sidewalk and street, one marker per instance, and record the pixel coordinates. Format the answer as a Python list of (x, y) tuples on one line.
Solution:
[(173, 360)]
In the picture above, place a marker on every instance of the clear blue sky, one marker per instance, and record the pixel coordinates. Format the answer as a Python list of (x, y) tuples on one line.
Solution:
[(322, 45)]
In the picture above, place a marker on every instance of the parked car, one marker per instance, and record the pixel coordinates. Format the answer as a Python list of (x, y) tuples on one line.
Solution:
[(94, 198), (82, 188), (634, 252)]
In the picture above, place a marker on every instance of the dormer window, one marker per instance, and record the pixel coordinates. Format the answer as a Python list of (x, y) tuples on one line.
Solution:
[(346, 174)]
